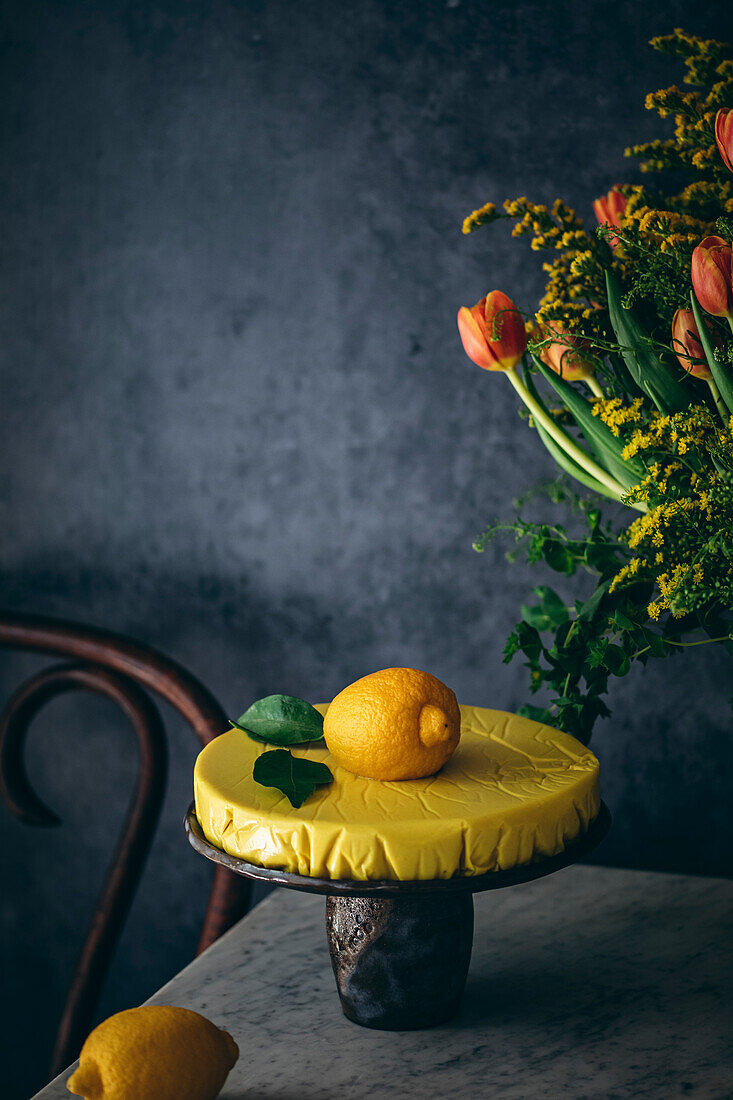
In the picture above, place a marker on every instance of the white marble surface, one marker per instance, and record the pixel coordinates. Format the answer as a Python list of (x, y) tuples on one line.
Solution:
[(592, 984)]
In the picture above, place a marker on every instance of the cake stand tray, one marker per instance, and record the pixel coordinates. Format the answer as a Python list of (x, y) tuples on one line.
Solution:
[(400, 950)]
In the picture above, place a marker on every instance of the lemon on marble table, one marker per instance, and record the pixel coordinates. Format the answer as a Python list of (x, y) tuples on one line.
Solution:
[(156, 1052), (399, 723)]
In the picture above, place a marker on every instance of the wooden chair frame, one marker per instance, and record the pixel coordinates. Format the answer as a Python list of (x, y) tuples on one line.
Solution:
[(118, 668)]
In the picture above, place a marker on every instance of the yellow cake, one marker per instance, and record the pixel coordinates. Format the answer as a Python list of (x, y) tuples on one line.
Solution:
[(514, 790)]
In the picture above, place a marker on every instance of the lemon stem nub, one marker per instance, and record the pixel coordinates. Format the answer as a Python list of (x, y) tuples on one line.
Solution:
[(433, 726), (86, 1081)]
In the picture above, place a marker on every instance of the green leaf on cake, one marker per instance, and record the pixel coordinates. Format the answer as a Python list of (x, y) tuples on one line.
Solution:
[(295, 777), (281, 720)]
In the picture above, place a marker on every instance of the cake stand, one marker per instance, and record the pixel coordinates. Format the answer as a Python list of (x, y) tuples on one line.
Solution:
[(400, 950)]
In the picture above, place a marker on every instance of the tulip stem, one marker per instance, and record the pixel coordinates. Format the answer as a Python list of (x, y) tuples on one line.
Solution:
[(563, 440), (718, 371), (719, 402), (594, 386)]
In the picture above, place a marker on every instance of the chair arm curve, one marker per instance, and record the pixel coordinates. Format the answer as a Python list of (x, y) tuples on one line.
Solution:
[(117, 667)]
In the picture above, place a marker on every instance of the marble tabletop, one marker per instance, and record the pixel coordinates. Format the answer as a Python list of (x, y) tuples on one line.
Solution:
[(591, 984)]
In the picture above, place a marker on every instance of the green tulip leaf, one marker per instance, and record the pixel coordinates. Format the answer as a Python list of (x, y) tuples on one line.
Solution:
[(281, 720), (621, 371), (606, 446), (564, 461), (645, 367), (723, 465), (720, 375), (569, 467), (293, 776)]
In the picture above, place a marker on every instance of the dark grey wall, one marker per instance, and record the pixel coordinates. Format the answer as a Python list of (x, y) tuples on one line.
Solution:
[(237, 421)]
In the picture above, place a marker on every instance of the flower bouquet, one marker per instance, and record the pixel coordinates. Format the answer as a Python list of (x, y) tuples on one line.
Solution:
[(626, 374)]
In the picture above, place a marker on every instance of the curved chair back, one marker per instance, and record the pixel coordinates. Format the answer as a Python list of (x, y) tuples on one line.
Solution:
[(118, 668)]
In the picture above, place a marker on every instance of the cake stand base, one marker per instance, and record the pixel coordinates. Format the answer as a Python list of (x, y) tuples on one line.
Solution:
[(400, 963), (400, 950)]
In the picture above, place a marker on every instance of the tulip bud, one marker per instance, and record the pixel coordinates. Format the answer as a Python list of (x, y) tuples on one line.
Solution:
[(567, 355), (724, 135), (712, 277), (687, 345), (493, 332), (609, 210)]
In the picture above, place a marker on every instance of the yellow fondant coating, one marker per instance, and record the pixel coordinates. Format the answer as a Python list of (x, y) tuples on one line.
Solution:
[(513, 791)]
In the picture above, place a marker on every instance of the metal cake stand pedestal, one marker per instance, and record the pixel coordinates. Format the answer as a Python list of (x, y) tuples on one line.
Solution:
[(400, 950)]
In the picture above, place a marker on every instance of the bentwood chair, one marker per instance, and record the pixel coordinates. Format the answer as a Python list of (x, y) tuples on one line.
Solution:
[(118, 668)]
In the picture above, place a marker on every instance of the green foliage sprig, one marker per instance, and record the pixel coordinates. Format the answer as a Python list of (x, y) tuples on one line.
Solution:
[(571, 650)]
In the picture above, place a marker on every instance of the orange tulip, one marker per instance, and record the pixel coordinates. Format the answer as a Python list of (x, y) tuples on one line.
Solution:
[(567, 355), (724, 135), (609, 210), (712, 277), (687, 345), (493, 332)]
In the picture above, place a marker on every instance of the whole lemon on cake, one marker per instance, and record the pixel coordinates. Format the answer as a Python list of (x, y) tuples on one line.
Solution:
[(399, 723), (156, 1052)]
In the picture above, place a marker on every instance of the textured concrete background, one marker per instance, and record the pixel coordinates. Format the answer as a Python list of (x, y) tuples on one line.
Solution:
[(237, 420)]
